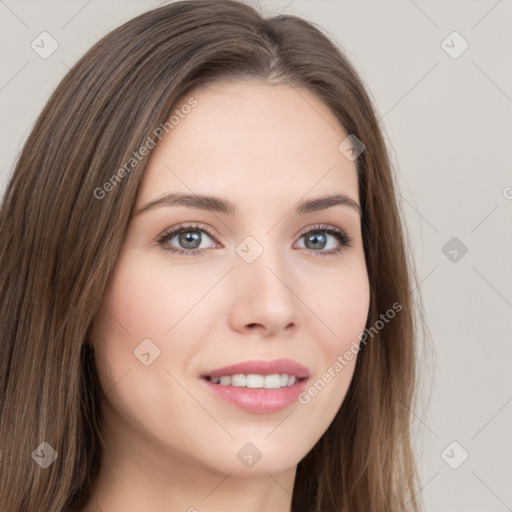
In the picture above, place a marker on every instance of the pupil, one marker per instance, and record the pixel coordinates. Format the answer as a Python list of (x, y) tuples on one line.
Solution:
[(316, 238), (190, 239)]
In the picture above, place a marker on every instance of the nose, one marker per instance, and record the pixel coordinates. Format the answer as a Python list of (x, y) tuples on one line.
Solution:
[(263, 298)]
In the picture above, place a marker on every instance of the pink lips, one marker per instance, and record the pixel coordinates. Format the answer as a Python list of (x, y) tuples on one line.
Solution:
[(259, 400)]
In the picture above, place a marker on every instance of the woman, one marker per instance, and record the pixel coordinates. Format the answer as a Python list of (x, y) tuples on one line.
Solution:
[(205, 287)]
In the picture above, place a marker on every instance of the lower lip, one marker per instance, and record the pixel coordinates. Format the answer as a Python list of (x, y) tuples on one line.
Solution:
[(259, 400)]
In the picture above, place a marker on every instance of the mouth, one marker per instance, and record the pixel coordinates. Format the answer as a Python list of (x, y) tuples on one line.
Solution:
[(258, 386), (260, 394)]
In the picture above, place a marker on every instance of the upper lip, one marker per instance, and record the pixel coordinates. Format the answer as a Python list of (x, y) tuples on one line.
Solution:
[(261, 367)]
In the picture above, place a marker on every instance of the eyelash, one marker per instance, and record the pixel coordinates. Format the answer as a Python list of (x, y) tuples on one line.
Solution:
[(340, 235)]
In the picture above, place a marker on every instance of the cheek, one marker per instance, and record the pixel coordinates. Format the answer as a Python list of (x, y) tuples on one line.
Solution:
[(341, 311), (340, 302), (142, 303), (132, 310), (148, 299), (349, 315), (348, 308)]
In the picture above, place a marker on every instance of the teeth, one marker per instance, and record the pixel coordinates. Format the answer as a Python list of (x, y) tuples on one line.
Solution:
[(238, 380), (225, 381), (271, 381), (255, 381)]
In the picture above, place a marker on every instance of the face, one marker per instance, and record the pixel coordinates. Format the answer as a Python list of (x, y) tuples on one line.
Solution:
[(197, 287)]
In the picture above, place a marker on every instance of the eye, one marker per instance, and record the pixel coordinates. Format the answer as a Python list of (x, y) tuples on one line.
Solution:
[(317, 239), (189, 237), (188, 240)]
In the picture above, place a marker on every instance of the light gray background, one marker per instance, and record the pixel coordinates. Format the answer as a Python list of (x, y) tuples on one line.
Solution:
[(448, 122)]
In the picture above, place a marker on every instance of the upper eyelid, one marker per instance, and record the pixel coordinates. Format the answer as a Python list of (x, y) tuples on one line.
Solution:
[(182, 227), (200, 227)]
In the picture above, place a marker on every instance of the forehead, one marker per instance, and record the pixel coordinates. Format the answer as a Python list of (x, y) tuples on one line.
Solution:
[(253, 140)]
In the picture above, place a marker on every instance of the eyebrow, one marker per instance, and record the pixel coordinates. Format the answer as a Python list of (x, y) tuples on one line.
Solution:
[(221, 205)]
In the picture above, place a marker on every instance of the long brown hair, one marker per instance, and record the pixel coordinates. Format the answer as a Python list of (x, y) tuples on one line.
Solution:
[(60, 242)]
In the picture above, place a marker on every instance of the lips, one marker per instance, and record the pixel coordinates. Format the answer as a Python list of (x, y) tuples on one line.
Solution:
[(261, 367)]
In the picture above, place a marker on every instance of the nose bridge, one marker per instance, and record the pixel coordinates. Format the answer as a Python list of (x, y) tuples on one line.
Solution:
[(263, 282), (263, 261)]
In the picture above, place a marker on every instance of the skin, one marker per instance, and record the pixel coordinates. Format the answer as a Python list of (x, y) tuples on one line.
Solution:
[(170, 443)]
